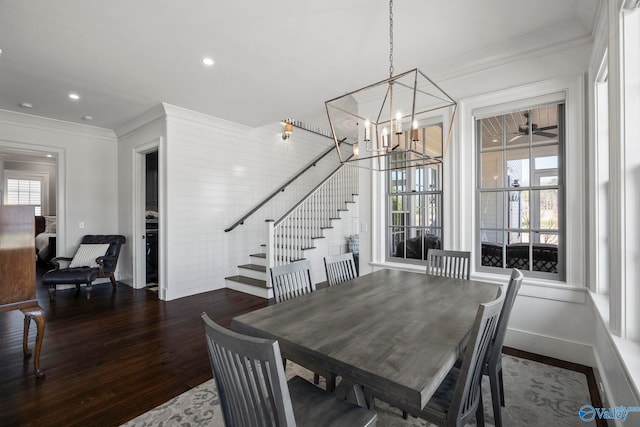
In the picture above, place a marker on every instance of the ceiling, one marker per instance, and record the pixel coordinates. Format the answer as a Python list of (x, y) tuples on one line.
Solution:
[(273, 59)]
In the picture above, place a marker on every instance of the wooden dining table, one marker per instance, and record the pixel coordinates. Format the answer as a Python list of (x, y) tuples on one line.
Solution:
[(395, 333)]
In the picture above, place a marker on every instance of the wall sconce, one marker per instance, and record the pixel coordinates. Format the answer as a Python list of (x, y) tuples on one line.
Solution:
[(287, 130)]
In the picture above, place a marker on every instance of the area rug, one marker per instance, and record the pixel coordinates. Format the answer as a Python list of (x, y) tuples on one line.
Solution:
[(537, 394)]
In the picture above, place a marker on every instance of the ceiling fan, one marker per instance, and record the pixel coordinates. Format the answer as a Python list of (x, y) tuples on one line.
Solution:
[(523, 130)]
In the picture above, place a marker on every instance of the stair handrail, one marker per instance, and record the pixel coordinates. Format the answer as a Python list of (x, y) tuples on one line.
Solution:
[(281, 188), (306, 196)]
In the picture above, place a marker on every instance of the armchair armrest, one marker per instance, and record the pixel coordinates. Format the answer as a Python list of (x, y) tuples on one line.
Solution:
[(101, 262), (57, 260)]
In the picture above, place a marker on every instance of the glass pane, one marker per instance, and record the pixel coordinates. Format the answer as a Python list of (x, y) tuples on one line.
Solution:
[(523, 210), (545, 253), (518, 255), (491, 132), (491, 210), (492, 253), (433, 140), (545, 160), (492, 167), (396, 241), (517, 129), (518, 167), (418, 179), (434, 203), (433, 177), (545, 203), (544, 124), (398, 181)]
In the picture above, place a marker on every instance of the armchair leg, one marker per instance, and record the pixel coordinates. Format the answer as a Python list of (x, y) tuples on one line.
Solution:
[(113, 280), (52, 292), (88, 291)]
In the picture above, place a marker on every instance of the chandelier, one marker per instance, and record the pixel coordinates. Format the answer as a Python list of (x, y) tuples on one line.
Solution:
[(392, 124)]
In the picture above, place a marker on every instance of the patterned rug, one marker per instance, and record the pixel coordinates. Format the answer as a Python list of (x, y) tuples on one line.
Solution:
[(536, 395)]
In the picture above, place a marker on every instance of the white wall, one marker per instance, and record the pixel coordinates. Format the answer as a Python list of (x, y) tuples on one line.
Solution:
[(87, 172), (216, 171)]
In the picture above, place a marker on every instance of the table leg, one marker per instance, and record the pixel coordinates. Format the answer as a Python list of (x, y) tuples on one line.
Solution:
[(37, 314)]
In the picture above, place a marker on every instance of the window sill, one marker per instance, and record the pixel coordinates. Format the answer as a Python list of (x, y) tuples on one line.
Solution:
[(531, 287), (628, 351)]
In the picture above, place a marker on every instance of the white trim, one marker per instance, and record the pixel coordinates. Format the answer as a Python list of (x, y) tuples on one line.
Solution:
[(138, 212), (559, 348), (55, 126)]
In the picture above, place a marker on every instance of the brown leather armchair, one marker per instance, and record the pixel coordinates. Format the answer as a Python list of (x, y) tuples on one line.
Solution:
[(104, 266)]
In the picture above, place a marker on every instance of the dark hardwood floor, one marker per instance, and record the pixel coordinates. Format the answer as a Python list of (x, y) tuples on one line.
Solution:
[(111, 358)]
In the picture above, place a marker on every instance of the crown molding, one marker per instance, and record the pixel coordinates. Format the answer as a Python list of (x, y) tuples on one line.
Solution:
[(12, 118), (153, 114)]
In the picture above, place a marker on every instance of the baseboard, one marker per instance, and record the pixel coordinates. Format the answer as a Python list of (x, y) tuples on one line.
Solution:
[(570, 351)]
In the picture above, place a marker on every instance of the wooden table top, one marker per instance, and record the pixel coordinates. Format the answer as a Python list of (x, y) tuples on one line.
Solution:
[(397, 333)]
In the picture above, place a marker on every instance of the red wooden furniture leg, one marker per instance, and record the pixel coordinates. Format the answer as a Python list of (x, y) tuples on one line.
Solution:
[(37, 315)]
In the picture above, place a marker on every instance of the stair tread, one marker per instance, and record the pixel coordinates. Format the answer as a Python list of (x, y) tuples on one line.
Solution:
[(254, 267), (259, 255), (248, 281)]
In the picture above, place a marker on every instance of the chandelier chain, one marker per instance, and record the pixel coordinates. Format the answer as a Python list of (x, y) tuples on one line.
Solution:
[(390, 38)]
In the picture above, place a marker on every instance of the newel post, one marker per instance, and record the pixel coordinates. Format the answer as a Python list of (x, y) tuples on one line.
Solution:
[(270, 249)]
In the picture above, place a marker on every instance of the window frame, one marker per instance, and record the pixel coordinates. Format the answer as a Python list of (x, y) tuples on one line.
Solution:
[(534, 187), (424, 194), (43, 178)]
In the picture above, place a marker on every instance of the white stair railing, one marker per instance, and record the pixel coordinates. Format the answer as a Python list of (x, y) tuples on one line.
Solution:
[(288, 237)]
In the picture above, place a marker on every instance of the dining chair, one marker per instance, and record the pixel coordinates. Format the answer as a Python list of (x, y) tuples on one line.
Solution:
[(458, 398), (493, 361), (254, 391), (445, 263), (340, 268), (290, 281)]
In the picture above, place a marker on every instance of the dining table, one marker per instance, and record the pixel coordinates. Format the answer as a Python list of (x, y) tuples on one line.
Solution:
[(395, 333)]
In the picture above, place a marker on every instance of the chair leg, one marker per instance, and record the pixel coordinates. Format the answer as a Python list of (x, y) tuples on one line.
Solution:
[(113, 280), (88, 291), (331, 383), (316, 379), (52, 292), (480, 414), (500, 379), (494, 384)]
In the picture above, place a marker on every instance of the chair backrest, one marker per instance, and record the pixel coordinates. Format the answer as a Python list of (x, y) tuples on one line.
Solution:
[(495, 348), (339, 268), (113, 252), (292, 280), (250, 378), (454, 264), (467, 393)]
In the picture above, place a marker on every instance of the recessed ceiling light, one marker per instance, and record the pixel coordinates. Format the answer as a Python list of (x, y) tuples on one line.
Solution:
[(74, 96), (207, 61), (49, 155), (26, 105), (87, 118)]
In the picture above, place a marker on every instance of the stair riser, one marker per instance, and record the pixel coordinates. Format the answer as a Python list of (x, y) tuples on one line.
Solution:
[(252, 273), (258, 260), (266, 293)]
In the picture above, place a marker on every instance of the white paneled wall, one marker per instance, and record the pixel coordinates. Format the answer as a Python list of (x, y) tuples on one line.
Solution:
[(216, 172)]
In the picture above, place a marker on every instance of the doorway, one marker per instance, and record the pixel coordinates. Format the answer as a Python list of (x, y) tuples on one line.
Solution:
[(151, 220)]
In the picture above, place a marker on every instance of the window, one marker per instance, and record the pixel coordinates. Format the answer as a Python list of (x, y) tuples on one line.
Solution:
[(414, 205), (519, 192), (25, 192)]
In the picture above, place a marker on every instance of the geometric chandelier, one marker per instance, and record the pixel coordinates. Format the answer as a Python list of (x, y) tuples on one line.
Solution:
[(388, 125)]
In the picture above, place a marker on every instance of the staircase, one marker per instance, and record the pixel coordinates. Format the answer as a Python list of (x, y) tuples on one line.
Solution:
[(296, 235)]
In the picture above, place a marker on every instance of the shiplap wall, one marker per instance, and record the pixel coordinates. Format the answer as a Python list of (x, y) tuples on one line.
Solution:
[(216, 172)]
